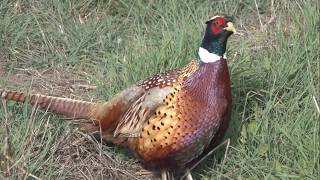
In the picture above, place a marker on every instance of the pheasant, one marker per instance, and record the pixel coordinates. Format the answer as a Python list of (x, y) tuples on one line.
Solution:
[(167, 120)]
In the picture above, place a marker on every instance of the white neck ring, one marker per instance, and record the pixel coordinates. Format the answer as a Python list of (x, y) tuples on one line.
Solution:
[(207, 57)]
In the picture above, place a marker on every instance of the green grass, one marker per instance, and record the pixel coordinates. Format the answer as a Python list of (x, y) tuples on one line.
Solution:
[(275, 75)]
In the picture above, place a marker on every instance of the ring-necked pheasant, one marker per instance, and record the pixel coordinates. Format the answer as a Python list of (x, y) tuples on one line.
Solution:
[(169, 119)]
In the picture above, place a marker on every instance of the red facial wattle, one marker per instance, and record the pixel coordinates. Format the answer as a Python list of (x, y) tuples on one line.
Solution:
[(220, 21), (218, 25), (215, 29)]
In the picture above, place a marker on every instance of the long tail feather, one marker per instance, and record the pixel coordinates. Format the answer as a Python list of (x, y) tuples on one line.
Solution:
[(103, 116), (71, 108)]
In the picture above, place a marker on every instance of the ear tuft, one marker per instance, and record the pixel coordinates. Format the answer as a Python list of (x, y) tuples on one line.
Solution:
[(228, 18)]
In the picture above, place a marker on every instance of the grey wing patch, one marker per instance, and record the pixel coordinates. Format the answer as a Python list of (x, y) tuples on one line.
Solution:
[(140, 111), (128, 125)]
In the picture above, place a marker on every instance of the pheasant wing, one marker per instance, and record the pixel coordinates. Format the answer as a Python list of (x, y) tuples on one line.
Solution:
[(157, 88)]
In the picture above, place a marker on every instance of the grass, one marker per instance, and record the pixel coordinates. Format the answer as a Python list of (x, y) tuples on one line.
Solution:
[(53, 47)]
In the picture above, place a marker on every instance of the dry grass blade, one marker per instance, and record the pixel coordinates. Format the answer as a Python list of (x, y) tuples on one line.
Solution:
[(226, 143), (10, 163), (112, 44), (75, 149), (316, 104)]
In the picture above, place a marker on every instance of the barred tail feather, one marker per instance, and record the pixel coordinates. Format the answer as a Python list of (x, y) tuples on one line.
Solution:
[(103, 117), (71, 108)]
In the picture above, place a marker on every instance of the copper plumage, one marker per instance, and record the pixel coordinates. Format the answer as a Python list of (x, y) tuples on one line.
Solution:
[(167, 120)]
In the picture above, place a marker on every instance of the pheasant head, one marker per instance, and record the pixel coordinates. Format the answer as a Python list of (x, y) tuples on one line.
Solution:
[(213, 46)]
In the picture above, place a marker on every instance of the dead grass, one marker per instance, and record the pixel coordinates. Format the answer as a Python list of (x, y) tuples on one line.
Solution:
[(79, 156), (74, 155), (55, 82), (82, 156)]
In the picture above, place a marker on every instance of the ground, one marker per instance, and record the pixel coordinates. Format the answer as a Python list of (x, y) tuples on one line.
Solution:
[(91, 50)]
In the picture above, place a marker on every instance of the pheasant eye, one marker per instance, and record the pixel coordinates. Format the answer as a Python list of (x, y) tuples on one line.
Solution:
[(219, 21), (217, 25)]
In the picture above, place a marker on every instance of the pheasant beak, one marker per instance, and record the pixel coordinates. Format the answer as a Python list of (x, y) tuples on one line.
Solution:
[(230, 28)]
